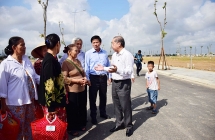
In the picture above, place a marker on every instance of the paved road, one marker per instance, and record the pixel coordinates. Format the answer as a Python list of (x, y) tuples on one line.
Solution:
[(186, 111)]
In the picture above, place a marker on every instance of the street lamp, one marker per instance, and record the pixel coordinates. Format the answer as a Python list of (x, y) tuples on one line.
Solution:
[(74, 18)]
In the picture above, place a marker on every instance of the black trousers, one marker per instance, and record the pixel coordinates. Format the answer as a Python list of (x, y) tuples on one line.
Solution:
[(121, 94), (98, 83), (76, 110), (139, 67), (85, 97)]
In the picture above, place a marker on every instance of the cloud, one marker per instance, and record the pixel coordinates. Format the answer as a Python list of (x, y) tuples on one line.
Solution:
[(190, 23)]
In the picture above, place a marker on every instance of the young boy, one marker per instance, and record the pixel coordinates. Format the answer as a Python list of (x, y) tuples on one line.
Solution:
[(152, 86)]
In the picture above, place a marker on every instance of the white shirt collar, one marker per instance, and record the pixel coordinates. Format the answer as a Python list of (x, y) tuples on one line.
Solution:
[(121, 52), (10, 58)]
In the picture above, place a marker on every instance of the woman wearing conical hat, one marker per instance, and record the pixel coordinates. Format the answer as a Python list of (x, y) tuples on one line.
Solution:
[(39, 53)]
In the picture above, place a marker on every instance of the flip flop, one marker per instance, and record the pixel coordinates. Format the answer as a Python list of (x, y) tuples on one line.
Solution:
[(73, 133)]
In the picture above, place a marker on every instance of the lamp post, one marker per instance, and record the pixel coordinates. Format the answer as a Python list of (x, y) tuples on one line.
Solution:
[(74, 18), (201, 50)]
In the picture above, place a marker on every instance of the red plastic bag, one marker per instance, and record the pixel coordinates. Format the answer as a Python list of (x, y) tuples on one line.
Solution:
[(43, 129), (9, 127), (38, 111)]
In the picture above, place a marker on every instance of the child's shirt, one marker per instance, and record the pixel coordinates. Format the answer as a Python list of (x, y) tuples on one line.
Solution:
[(152, 80)]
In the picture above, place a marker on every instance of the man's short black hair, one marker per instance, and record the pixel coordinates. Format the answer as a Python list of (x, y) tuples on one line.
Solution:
[(139, 51), (151, 62), (96, 37)]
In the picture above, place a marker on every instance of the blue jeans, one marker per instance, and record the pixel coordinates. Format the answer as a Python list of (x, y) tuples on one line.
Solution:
[(139, 67), (153, 95)]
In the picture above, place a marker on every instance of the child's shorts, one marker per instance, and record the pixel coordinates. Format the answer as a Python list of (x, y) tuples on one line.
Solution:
[(153, 95)]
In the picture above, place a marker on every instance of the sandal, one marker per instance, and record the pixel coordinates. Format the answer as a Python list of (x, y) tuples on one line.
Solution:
[(154, 111), (149, 108), (83, 128), (73, 133)]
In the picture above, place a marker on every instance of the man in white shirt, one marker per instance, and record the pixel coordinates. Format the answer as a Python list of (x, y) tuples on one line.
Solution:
[(122, 69)]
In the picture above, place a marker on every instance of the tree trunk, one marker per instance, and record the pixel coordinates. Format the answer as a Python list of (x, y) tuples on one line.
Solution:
[(162, 58)]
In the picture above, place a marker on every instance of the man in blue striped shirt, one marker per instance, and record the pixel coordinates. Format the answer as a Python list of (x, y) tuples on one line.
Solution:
[(97, 80)]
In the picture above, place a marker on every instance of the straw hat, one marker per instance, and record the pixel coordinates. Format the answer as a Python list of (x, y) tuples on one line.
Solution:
[(36, 52)]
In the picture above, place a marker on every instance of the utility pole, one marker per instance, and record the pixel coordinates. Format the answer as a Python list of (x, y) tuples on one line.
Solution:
[(75, 12), (208, 50), (195, 50), (201, 50), (185, 51), (191, 65), (179, 49)]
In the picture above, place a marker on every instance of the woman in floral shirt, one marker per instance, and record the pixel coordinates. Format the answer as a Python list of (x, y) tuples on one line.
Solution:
[(51, 91)]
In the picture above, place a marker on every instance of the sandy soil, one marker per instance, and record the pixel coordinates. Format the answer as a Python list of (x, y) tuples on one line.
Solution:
[(201, 63)]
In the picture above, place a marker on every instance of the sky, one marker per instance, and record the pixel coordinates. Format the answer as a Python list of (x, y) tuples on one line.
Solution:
[(189, 23)]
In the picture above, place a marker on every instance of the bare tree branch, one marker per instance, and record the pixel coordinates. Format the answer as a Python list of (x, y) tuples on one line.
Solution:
[(61, 31), (155, 13), (165, 16), (44, 6)]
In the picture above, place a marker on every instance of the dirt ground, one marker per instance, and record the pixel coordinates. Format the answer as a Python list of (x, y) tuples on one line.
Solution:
[(201, 63)]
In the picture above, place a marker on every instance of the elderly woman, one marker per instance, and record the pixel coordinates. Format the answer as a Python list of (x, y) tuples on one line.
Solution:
[(18, 86), (39, 53), (51, 91), (75, 80)]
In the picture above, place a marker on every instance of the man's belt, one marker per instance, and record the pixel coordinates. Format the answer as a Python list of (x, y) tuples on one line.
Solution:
[(116, 81), (101, 75)]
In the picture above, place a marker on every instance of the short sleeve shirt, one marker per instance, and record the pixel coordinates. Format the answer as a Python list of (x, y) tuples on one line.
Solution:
[(152, 80)]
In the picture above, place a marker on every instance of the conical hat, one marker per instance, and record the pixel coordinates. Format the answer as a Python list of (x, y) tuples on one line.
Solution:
[(36, 52)]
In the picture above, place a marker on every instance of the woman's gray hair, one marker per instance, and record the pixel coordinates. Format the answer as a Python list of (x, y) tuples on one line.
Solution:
[(76, 39)]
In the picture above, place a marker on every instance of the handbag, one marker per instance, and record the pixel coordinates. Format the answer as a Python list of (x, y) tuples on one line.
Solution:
[(38, 111), (9, 127), (43, 129)]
